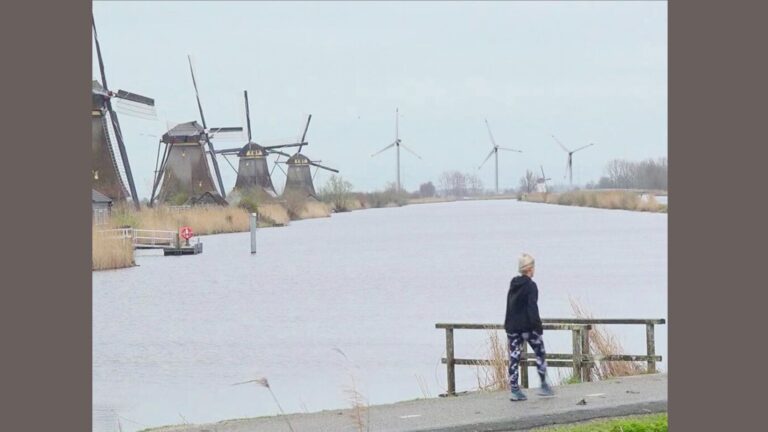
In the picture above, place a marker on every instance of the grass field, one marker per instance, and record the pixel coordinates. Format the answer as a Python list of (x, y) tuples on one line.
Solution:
[(642, 423)]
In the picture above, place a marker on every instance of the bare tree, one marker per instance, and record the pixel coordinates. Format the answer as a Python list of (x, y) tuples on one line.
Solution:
[(528, 182)]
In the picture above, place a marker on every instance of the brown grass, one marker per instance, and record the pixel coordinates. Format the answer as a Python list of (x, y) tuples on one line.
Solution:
[(609, 199), (494, 376), (359, 413), (273, 214), (109, 253), (203, 219), (602, 342)]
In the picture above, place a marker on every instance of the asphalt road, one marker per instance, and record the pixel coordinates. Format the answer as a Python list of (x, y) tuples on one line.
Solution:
[(476, 412)]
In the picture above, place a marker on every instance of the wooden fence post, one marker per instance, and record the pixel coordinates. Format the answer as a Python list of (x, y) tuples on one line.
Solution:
[(650, 347), (576, 338), (585, 351), (450, 362)]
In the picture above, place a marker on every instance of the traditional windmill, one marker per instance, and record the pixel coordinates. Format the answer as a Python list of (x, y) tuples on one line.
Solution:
[(569, 166), (106, 174), (299, 178), (184, 172), (253, 171), (541, 183), (397, 144), (495, 152)]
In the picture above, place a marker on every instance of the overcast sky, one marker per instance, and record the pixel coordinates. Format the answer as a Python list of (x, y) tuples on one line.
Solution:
[(583, 71)]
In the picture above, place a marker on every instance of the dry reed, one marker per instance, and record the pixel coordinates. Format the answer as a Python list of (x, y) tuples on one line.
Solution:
[(359, 414), (602, 342), (263, 382), (202, 219), (494, 376), (109, 253), (610, 199)]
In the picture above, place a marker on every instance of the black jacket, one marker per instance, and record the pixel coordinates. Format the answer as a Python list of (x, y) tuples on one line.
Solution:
[(522, 306)]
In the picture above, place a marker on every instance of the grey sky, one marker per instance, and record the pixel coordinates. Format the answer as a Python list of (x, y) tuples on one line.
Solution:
[(585, 72)]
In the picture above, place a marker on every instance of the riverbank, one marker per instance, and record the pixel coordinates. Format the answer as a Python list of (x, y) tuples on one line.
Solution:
[(479, 411), (604, 199)]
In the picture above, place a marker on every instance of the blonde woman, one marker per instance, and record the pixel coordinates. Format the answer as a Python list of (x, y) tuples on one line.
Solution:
[(523, 324)]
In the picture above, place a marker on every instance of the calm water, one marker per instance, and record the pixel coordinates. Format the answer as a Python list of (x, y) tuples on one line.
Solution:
[(171, 336)]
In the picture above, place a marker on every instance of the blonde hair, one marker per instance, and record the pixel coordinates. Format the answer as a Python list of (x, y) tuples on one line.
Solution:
[(525, 263)]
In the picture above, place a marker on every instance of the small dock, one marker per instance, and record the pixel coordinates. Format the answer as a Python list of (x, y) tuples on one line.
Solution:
[(168, 241)]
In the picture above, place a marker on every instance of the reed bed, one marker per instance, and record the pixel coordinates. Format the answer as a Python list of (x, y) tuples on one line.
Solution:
[(108, 253), (611, 199), (603, 342), (203, 219), (494, 376)]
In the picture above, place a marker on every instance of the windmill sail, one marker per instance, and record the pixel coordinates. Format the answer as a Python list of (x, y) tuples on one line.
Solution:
[(106, 175)]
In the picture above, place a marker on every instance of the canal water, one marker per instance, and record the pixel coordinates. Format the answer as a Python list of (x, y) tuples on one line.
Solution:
[(326, 303)]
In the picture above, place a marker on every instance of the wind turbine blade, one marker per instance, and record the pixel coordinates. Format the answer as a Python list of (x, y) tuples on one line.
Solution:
[(385, 148), (560, 144), (582, 148), (409, 150), (510, 149), (486, 159), (397, 124), (490, 134), (323, 167)]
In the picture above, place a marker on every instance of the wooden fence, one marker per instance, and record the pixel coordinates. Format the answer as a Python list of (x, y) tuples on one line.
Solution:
[(580, 359)]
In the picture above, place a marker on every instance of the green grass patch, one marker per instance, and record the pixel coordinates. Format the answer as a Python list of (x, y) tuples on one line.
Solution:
[(643, 423)]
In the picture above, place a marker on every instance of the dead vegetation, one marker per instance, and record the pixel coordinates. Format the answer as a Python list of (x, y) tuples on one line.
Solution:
[(610, 199), (108, 252), (602, 342)]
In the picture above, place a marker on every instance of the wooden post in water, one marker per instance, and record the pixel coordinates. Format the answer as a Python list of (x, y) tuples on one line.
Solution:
[(650, 347), (450, 363), (254, 218)]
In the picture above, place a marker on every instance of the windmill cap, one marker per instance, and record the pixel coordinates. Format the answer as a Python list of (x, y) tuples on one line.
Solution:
[(525, 262)]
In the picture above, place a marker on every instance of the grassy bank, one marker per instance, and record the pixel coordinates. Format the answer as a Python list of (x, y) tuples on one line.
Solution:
[(609, 199), (642, 423), (110, 253)]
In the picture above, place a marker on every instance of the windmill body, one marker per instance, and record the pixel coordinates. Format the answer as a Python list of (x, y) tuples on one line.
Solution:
[(185, 175), (253, 170), (298, 179)]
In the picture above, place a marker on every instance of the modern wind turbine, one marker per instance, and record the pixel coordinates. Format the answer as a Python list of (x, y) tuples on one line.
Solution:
[(569, 166), (495, 152), (397, 144)]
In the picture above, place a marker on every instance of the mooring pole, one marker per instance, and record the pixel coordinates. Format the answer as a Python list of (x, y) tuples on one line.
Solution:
[(254, 223)]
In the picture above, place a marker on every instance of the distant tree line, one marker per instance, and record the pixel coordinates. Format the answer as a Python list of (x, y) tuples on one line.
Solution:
[(458, 184), (624, 174)]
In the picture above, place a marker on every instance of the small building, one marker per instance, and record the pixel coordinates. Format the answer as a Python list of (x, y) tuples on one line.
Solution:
[(101, 207)]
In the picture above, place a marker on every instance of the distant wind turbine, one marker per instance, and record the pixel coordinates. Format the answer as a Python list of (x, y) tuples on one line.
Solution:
[(569, 166), (495, 152), (397, 144)]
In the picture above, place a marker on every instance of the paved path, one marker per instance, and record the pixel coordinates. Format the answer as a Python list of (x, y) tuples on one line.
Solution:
[(477, 412)]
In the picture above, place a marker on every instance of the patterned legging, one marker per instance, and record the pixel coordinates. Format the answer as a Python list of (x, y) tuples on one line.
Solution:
[(516, 341)]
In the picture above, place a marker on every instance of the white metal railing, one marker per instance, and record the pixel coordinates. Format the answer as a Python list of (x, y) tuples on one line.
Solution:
[(144, 238)]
